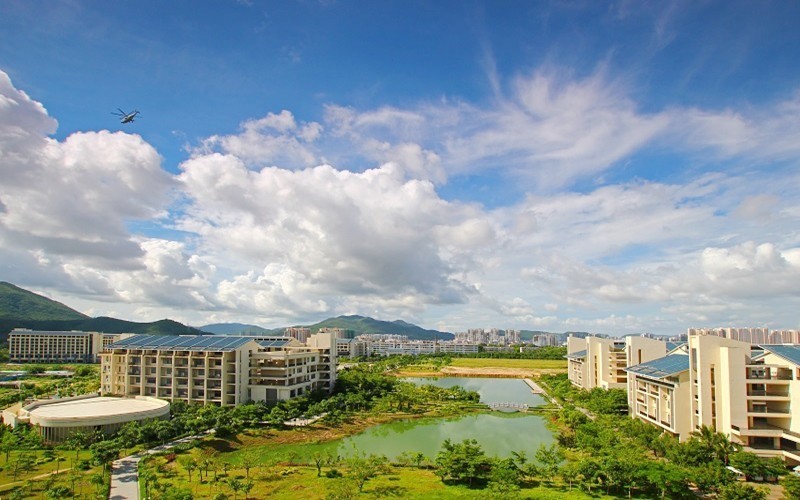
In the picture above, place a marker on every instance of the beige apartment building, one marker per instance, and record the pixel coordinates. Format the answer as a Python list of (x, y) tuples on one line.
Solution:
[(601, 362), (741, 390), (32, 346), (218, 369), (658, 391)]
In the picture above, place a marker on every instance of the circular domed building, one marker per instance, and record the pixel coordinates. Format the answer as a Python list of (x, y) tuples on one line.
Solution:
[(56, 419)]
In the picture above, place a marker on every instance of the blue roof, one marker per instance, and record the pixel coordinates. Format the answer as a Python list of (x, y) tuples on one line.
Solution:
[(278, 342), (577, 355), (789, 352), (671, 346), (662, 367), (182, 342)]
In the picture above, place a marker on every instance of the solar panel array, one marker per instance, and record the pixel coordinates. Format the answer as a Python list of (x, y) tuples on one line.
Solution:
[(273, 342), (182, 342), (662, 367), (788, 352), (671, 346), (577, 355)]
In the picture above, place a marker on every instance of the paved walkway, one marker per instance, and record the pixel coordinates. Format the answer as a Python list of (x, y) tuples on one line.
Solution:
[(125, 471)]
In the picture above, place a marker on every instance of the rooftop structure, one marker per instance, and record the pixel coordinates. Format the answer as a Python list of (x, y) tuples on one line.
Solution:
[(56, 419)]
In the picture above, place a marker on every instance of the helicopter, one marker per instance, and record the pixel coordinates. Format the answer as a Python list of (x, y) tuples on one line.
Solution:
[(126, 117)]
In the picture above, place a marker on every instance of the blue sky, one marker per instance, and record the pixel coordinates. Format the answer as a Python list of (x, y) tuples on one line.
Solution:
[(613, 167)]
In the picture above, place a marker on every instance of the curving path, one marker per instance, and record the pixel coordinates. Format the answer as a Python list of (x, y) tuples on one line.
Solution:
[(125, 471)]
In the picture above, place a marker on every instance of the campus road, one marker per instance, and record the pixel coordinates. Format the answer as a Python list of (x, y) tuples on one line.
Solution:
[(125, 471)]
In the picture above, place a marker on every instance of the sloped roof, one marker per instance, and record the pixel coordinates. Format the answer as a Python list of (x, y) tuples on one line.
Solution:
[(182, 342), (789, 352), (671, 346), (662, 367), (577, 355)]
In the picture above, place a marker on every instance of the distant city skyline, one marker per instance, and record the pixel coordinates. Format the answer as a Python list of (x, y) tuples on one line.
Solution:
[(609, 167)]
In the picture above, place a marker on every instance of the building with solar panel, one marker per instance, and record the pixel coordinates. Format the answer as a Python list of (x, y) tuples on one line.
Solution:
[(218, 369), (601, 362), (742, 390)]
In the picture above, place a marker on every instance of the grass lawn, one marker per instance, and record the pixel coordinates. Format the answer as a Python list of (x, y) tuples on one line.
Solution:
[(40, 477), (525, 364), (292, 482)]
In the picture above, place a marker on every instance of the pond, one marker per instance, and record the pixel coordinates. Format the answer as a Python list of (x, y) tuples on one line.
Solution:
[(498, 433), (491, 390)]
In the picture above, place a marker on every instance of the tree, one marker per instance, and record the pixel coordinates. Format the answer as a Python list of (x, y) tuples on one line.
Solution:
[(752, 465), (104, 452), (8, 442), (249, 460), (99, 482), (343, 488), (319, 459), (711, 477), (741, 491), (791, 486), (549, 459), (715, 443), (148, 477), (670, 480), (23, 461), (74, 477), (235, 485), (58, 492), (188, 463), (504, 479), (361, 468), (130, 434), (58, 461), (247, 487), (417, 459), (208, 458), (463, 462)]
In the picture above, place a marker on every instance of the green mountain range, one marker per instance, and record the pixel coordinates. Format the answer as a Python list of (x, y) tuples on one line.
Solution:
[(20, 308), (18, 303), (354, 323), (362, 324)]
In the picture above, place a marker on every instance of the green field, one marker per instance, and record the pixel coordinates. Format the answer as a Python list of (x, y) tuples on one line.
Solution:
[(288, 482), (35, 480), (523, 364)]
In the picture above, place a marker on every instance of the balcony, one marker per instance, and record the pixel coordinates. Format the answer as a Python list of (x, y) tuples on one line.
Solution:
[(764, 411), (770, 395)]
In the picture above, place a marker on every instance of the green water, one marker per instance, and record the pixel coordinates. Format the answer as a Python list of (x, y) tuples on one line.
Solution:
[(491, 390), (498, 433)]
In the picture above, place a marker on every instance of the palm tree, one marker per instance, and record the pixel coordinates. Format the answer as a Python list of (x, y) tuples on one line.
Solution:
[(718, 444)]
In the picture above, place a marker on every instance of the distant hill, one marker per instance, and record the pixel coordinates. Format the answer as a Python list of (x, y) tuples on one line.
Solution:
[(235, 329), (361, 324), (18, 303), (20, 308)]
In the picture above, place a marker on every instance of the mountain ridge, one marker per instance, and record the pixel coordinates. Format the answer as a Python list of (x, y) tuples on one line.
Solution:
[(20, 308)]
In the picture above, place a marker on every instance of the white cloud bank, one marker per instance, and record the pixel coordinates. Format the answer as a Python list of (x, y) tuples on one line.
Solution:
[(269, 233)]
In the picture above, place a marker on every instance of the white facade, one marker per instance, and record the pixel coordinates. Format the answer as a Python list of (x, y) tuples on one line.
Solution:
[(743, 391), (56, 419), (601, 362), (31, 346), (217, 369)]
